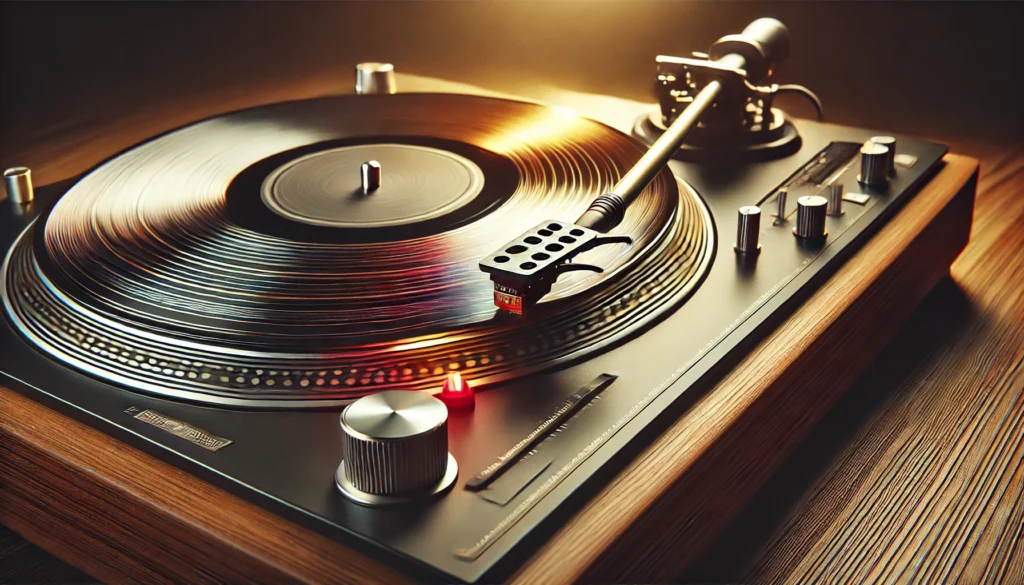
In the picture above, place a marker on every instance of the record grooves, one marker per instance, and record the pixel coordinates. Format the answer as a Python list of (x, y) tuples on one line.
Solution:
[(166, 271)]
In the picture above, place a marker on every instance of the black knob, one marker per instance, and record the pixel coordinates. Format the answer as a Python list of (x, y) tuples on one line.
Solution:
[(810, 218), (890, 143), (874, 164), (747, 230)]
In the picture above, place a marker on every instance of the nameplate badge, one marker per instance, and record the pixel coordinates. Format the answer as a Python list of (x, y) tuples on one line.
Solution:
[(179, 429)]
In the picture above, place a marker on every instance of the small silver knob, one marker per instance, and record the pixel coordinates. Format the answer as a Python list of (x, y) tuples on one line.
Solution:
[(19, 185), (375, 78), (810, 218), (874, 163), (395, 448), (834, 194), (748, 230), (890, 143)]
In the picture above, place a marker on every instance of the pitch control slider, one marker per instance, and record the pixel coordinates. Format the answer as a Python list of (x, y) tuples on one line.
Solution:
[(566, 410)]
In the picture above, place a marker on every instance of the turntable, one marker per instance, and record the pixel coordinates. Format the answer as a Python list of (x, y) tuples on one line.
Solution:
[(417, 331)]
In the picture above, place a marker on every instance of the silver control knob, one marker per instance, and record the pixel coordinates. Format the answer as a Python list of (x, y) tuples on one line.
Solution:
[(810, 218), (19, 185), (748, 230), (874, 164), (890, 143), (395, 448), (375, 78)]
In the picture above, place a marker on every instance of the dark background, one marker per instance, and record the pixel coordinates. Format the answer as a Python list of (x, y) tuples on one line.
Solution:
[(942, 70)]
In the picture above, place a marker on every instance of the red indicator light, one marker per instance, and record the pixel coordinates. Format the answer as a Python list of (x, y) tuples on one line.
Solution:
[(456, 393)]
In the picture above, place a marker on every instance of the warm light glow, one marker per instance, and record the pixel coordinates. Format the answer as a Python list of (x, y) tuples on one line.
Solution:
[(423, 344), (551, 126)]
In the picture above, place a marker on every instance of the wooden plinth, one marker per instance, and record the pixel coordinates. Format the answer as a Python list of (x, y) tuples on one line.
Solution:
[(123, 516)]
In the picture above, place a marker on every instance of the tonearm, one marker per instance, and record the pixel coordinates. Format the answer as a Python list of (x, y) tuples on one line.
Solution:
[(718, 91)]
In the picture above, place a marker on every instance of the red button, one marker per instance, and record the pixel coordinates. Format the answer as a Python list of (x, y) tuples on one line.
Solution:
[(456, 393)]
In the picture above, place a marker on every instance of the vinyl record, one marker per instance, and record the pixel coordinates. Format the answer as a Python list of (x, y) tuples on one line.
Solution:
[(239, 260)]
